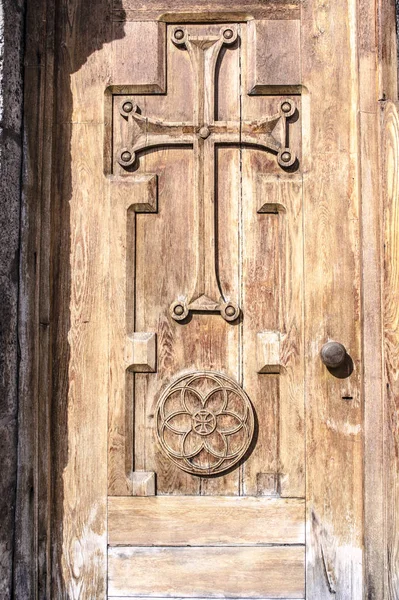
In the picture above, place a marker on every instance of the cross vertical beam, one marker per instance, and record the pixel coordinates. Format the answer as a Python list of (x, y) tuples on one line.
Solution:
[(204, 52), (203, 133)]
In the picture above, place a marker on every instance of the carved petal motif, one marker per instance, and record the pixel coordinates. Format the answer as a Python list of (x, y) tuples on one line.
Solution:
[(191, 400), (179, 422), (217, 401), (228, 423)]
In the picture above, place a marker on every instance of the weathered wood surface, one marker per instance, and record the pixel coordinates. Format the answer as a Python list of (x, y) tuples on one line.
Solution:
[(263, 572), (79, 309), (372, 75), (221, 521), (390, 162), (204, 341), (333, 310), (173, 11), (33, 510), (128, 196), (274, 67), (338, 118)]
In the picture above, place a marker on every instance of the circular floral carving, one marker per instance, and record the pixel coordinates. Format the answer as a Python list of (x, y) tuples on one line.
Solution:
[(205, 423)]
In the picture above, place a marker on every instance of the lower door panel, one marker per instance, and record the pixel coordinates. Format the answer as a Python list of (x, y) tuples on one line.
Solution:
[(206, 547)]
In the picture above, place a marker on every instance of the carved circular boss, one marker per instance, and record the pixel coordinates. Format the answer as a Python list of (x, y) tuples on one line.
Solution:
[(204, 423)]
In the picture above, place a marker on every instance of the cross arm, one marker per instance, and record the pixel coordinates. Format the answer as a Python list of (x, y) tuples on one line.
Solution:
[(269, 133), (147, 132)]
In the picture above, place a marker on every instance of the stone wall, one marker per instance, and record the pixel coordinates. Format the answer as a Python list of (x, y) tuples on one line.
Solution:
[(11, 105)]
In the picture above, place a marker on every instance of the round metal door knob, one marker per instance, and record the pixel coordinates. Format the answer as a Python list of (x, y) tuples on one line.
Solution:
[(333, 354)]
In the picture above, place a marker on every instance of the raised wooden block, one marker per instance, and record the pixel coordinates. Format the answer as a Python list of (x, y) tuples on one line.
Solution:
[(267, 484), (274, 57), (139, 63), (143, 483), (141, 352), (275, 193), (268, 352), (138, 193), (145, 193)]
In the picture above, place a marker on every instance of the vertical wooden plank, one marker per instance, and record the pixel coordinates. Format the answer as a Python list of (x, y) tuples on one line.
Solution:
[(389, 163), (292, 401), (390, 156), (81, 363), (260, 277), (19, 226), (372, 265), (228, 198), (32, 511), (260, 293), (79, 327), (128, 195), (272, 283), (386, 25), (282, 194), (332, 299)]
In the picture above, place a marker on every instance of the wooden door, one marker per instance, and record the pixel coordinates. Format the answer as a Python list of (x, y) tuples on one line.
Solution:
[(214, 225), (206, 400)]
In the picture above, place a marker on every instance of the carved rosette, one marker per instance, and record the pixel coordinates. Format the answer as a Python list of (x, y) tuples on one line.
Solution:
[(204, 423)]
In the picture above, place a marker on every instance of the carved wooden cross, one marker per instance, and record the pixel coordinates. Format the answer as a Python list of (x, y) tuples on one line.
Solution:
[(203, 133)]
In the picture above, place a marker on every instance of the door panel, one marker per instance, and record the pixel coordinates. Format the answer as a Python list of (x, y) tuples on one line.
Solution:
[(205, 521), (206, 377), (297, 248), (233, 572)]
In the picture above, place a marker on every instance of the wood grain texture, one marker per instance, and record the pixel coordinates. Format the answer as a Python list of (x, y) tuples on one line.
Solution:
[(333, 308), (391, 341), (219, 265), (202, 521), (19, 229), (275, 233), (372, 275), (268, 352), (81, 387), (387, 43), (183, 11), (175, 165), (134, 69), (274, 57), (79, 303), (207, 572), (292, 381), (128, 196), (342, 261), (33, 509)]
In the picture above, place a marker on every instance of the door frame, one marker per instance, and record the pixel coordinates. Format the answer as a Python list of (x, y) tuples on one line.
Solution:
[(39, 505)]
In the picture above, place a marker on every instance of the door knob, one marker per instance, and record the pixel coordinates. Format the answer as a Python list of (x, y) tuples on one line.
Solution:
[(333, 354)]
